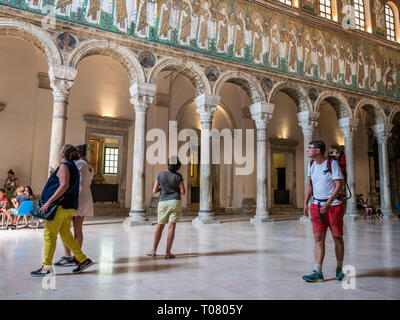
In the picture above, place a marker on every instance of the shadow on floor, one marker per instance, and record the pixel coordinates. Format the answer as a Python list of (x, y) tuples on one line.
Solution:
[(128, 269), (190, 255), (387, 272)]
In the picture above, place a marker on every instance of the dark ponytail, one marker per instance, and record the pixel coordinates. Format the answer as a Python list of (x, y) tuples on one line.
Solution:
[(82, 150), (71, 154)]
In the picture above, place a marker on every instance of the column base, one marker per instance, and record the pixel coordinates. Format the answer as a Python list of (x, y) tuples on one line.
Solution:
[(390, 217), (136, 219), (261, 218), (205, 219)]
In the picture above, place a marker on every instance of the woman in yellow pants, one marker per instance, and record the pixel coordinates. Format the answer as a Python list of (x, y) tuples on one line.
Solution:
[(62, 186)]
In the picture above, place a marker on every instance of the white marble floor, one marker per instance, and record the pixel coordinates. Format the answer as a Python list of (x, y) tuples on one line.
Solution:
[(233, 260)]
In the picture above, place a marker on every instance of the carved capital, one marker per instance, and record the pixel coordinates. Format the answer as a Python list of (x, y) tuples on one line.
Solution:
[(348, 126), (142, 95), (262, 112), (206, 106), (308, 121), (382, 132), (61, 80)]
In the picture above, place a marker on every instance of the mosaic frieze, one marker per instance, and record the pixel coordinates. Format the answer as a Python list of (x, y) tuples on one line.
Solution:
[(238, 31)]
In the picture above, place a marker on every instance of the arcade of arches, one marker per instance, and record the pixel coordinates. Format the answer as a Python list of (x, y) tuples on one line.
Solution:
[(107, 89)]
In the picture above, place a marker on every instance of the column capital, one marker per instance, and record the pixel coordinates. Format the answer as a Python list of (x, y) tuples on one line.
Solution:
[(142, 95), (308, 120), (262, 112), (382, 132), (348, 126), (206, 106), (61, 80)]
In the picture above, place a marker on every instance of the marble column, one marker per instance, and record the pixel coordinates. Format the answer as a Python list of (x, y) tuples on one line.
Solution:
[(261, 114), (382, 133), (61, 80), (307, 122), (206, 106), (348, 126), (142, 97)]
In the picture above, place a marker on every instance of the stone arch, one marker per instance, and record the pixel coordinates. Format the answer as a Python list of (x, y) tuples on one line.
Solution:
[(337, 101), (394, 112), (119, 53), (194, 73), (225, 110), (378, 114), (297, 93), (247, 82), (33, 34)]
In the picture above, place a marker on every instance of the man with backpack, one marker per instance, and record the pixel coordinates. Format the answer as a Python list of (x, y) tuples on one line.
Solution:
[(325, 182)]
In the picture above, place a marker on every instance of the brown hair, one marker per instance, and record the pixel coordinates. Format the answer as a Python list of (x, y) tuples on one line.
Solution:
[(3, 191), (71, 154)]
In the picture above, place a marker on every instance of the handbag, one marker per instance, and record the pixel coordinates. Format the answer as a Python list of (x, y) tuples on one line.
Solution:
[(51, 212)]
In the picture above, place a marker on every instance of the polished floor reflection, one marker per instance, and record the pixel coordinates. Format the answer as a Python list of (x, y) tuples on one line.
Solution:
[(232, 260)]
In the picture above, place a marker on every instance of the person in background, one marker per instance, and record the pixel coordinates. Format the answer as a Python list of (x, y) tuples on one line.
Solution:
[(21, 197), (3, 206), (28, 190), (85, 207), (11, 184), (171, 185)]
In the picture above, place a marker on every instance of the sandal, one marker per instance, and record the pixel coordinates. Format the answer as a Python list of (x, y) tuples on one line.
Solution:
[(169, 256), (151, 253)]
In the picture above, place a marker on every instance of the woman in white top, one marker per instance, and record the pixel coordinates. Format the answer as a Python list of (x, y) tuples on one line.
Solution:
[(85, 207)]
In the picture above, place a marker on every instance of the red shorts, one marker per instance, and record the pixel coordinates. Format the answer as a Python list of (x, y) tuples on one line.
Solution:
[(333, 219)]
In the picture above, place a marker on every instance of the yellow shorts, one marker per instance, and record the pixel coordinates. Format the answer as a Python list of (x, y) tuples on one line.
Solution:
[(169, 211)]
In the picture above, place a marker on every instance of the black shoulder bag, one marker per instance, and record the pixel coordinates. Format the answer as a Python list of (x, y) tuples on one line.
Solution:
[(51, 212)]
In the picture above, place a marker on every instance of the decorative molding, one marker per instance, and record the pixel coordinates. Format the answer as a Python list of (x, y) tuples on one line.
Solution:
[(107, 122), (282, 142)]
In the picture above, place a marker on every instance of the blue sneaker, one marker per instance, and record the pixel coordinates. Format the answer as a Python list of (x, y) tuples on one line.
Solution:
[(339, 274), (314, 277)]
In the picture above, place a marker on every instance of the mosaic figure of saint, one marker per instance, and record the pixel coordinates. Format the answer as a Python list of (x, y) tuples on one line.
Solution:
[(195, 22), (292, 48), (222, 40), (165, 15), (146, 17), (260, 39), (335, 61), (348, 70), (360, 69), (231, 29), (321, 59), (240, 35), (275, 40), (205, 18), (307, 54), (373, 72), (389, 78), (185, 22)]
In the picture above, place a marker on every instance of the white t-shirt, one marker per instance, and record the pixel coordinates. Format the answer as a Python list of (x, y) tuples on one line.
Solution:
[(322, 180)]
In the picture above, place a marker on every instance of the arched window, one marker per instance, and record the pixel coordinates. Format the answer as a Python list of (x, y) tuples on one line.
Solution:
[(389, 17), (359, 14), (325, 9), (288, 2)]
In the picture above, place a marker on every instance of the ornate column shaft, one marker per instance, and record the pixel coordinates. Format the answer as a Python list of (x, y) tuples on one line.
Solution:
[(261, 114), (348, 127), (61, 80), (206, 106), (382, 133), (142, 97)]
